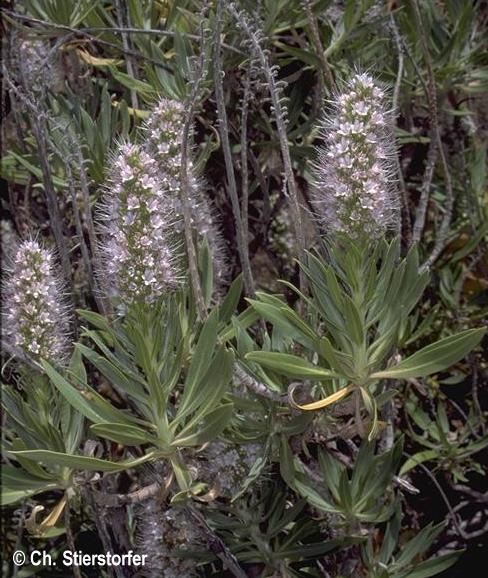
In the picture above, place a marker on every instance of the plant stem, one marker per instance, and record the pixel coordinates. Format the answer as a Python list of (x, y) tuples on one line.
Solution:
[(280, 115), (189, 108), (69, 537), (224, 138), (121, 12), (216, 545)]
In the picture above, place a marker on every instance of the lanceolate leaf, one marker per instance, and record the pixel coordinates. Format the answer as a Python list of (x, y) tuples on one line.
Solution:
[(212, 426), (89, 403), (231, 300), (330, 399), (77, 462), (417, 459), (17, 485), (436, 357), (10, 495), (122, 433), (289, 365), (208, 390), (432, 567)]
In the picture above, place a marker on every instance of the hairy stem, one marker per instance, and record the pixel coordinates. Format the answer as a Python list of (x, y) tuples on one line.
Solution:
[(229, 168), (319, 49), (280, 113), (407, 225), (121, 9), (69, 537), (436, 148), (190, 105)]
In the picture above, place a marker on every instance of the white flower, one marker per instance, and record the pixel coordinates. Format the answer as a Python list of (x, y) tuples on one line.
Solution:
[(141, 260), (36, 317), (353, 191), (164, 139)]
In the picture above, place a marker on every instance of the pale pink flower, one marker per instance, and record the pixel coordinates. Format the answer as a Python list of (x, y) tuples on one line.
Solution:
[(141, 259), (163, 134), (35, 310), (353, 190)]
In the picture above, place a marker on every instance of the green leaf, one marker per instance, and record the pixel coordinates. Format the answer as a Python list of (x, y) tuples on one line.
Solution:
[(17, 485), (114, 375), (92, 405), (202, 355), (337, 360), (244, 319), (420, 543), (435, 357), (209, 389), (76, 367), (10, 496), (254, 473), (213, 425), (30, 467), (132, 83), (432, 567), (231, 300), (287, 468), (417, 459), (474, 447), (77, 462), (289, 365), (36, 171), (471, 244), (21, 480), (285, 319), (313, 497), (304, 551), (128, 435), (97, 320), (390, 539), (353, 320), (299, 324)]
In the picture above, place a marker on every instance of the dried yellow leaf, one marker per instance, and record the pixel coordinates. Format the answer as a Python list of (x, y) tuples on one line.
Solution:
[(330, 399), (95, 61)]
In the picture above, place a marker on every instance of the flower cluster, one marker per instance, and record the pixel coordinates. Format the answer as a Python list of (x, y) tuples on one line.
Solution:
[(141, 259), (35, 310), (161, 535), (353, 191), (164, 138), (143, 213)]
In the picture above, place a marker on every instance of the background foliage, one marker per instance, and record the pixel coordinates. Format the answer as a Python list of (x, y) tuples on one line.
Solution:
[(315, 499)]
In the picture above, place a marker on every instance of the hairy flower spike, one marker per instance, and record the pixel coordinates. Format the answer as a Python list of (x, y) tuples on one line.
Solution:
[(353, 191), (164, 131), (163, 136), (141, 259), (35, 309)]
